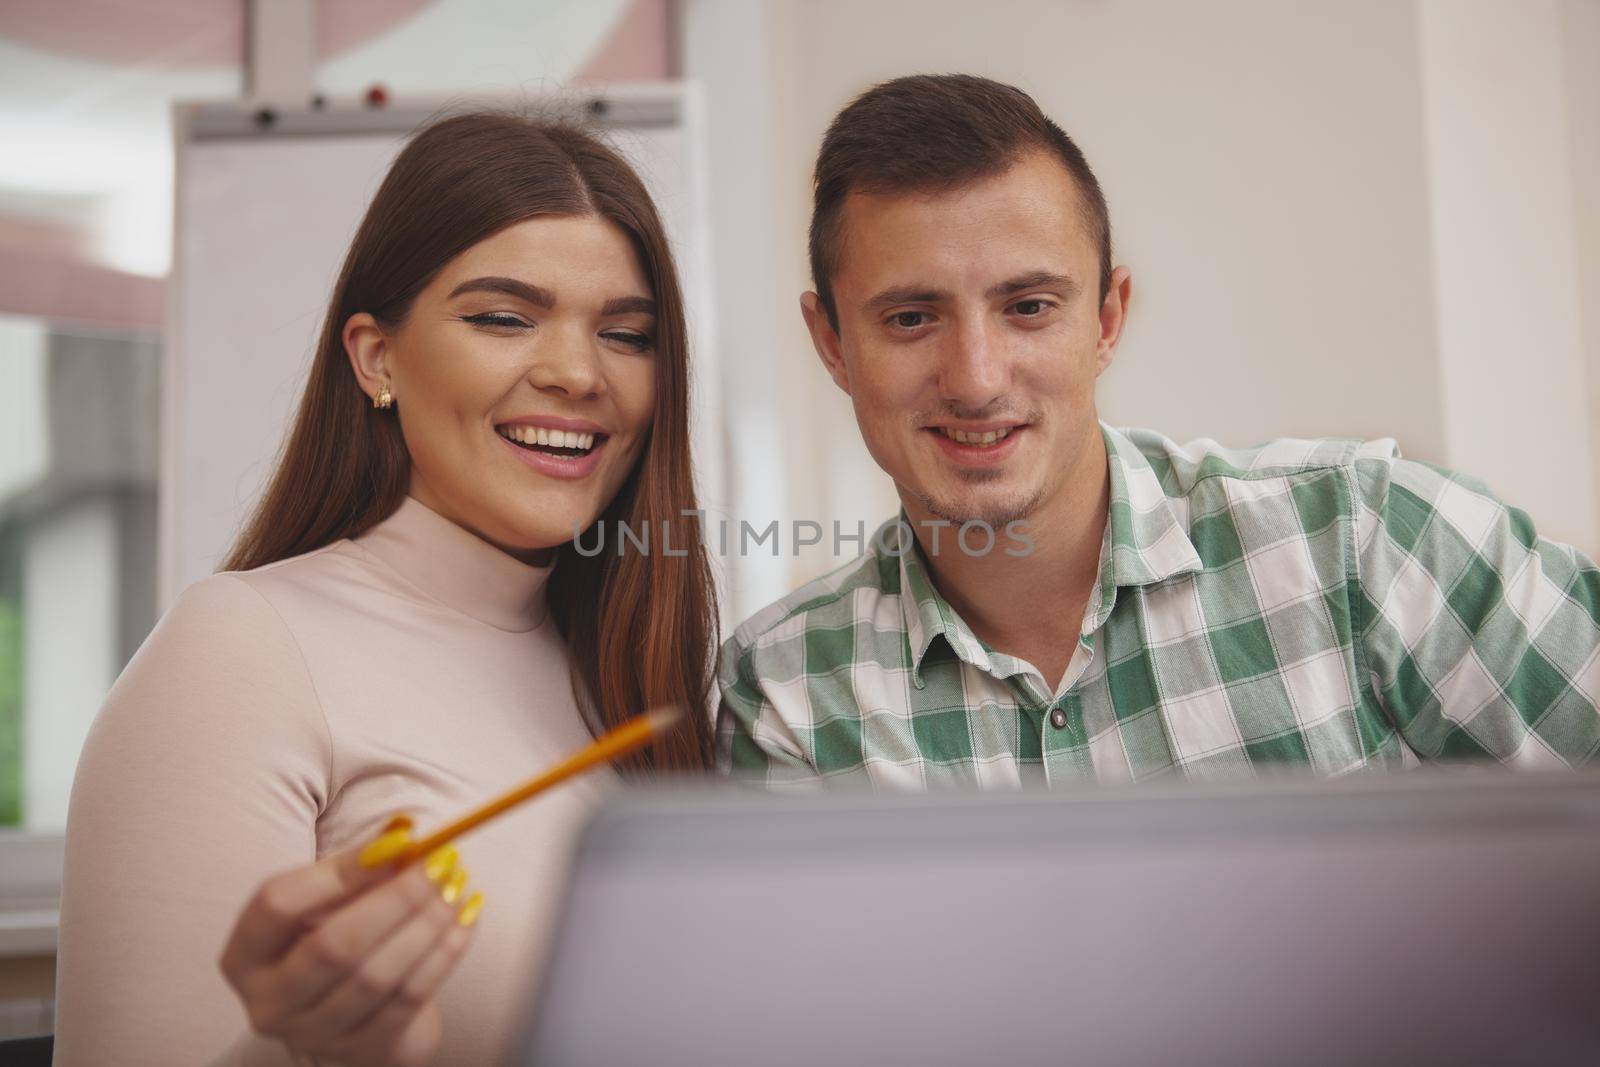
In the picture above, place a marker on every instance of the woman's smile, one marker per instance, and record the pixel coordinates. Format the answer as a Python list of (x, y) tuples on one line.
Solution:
[(554, 452)]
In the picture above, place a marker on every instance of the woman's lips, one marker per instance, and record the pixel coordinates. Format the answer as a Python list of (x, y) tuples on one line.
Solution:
[(555, 466)]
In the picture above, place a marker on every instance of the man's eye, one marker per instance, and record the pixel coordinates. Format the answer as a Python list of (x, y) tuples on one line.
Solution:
[(497, 319), (908, 320), (1030, 308)]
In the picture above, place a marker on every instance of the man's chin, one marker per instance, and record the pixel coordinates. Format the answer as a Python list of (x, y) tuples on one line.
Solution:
[(995, 510)]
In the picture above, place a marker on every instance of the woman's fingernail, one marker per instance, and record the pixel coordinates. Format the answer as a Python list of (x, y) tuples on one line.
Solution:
[(399, 822), (454, 885), (440, 863), (389, 845), (469, 911)]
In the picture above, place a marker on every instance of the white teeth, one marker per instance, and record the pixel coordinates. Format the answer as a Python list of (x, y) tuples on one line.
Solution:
[(988, 437), (539, 435)]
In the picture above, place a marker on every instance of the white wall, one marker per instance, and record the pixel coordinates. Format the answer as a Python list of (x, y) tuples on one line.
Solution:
[(1580, 38), (1272, 184), (1506, 257), (744, 302)]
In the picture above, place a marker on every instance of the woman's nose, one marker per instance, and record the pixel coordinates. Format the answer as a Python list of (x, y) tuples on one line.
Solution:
[(568, 363)]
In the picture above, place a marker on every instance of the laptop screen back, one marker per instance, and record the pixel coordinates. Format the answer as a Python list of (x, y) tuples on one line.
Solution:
[(1405, 920)]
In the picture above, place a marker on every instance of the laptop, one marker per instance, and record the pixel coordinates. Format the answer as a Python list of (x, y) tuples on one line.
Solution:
[(1422, 918)]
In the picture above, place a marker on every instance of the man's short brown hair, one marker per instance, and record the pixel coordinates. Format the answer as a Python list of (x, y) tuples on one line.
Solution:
[(929, 132)]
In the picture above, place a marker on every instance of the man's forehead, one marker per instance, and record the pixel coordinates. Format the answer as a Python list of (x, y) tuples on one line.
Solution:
[(1028, 217)]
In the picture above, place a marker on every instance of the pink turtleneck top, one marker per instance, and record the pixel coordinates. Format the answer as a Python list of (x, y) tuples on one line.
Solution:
[(280, 714)]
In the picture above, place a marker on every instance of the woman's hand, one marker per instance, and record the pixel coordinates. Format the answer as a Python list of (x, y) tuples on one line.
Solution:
[(341, 959)]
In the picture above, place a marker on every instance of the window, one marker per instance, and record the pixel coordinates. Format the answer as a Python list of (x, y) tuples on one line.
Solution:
[(77, 546)]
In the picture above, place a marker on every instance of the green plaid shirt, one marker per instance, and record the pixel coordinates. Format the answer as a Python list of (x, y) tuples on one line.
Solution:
[(1317, 603)]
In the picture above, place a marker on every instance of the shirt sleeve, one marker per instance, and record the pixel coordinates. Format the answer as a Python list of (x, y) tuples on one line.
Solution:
[(1481, 638), (203, 774), (754, 743)]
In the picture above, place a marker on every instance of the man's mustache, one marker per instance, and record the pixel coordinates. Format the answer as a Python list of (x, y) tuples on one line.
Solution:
[(995, 412)]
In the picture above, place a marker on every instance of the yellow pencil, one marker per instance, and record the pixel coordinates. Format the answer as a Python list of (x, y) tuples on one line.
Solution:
[(637, 732)]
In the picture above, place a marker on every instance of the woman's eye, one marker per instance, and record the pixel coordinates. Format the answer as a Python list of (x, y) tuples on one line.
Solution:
[(637, 341), (908, 320), (499, 320)]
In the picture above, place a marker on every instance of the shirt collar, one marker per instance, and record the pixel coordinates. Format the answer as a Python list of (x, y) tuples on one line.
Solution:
[(1146, 531), (455, 566), (927, 614), (1145, 542)]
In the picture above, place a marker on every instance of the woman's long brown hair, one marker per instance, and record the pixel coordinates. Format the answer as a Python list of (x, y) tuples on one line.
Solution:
[(639, 628)]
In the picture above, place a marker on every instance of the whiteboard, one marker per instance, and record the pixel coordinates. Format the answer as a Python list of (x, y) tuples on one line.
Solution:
[(264, 216)]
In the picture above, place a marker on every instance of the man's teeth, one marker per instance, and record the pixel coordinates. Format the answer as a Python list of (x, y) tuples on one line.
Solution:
[(988, 437), (539, 435)]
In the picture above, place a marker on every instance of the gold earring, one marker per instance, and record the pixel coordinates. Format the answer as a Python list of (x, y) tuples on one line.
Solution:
[(384, 400)]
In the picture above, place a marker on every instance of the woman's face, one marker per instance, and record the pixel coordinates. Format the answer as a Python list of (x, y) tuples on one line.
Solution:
[(524, 380)]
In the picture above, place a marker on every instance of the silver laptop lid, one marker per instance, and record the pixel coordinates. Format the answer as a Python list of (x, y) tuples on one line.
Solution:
[(1423, 918)]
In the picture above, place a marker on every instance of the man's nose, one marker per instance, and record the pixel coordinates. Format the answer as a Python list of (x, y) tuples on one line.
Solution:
[(974, 368)]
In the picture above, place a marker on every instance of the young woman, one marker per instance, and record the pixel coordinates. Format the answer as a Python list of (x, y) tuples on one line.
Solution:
[(404, 628)]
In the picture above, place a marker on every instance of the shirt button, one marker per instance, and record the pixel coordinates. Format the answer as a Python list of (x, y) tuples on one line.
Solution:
[(1058, 719)]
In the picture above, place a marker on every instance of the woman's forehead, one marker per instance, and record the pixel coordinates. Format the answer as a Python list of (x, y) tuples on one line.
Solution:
[(567, 255)]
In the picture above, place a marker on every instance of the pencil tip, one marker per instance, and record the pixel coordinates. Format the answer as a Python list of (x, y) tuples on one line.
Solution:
[(662, 719)]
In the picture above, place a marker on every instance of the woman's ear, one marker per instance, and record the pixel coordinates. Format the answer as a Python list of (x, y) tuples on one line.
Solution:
[(367, 345)]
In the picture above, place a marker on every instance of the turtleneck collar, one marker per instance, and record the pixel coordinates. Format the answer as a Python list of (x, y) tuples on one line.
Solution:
[(458, 568)]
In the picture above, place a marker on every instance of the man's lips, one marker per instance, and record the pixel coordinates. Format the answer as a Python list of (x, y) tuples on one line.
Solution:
[(979, 427), (977, 454)]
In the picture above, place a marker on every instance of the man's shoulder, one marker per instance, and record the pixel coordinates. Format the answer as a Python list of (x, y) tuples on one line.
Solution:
[(1183, 468), (838, 599), (1380, 484)]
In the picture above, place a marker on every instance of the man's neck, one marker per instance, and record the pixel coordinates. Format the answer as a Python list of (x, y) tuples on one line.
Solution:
[(1031, 606)]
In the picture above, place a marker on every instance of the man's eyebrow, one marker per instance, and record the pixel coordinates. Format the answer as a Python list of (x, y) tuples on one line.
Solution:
[(916, 294), (1037, 279), (533, 294), (628, 305), (905, 294)]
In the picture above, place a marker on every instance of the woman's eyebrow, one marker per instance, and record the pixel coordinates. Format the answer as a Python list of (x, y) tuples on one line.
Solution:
[(629, 305), (533, 294)]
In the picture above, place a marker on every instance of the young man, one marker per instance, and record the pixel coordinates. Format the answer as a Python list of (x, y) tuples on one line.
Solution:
[(1121, 607)]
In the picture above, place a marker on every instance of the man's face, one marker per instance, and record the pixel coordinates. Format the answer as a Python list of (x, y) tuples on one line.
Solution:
[(970, 337)]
